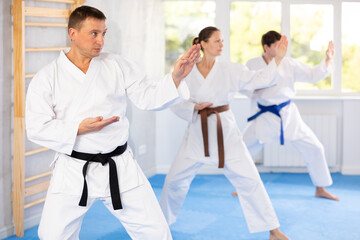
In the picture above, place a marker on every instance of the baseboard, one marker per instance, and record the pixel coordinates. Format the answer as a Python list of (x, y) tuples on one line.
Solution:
[(150, 172), (28, 223), (351, 170), (7, 232), (206, 169), (263, 169), (162, 169)]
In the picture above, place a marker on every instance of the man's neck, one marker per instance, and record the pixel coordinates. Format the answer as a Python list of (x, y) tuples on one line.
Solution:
[(79, 60), (267, 58)]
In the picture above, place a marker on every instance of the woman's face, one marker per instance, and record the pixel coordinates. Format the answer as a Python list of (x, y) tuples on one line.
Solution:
[(214, 45)]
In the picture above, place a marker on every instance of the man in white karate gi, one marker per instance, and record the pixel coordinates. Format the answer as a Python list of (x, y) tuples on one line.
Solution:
[(277, 117), (76, 106)]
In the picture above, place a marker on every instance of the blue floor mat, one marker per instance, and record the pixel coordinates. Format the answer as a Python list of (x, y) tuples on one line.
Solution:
[(211, 213)]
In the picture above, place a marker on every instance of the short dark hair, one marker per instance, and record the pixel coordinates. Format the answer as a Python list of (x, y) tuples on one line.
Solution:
[(269, 38), (80, 14), (204, 35)]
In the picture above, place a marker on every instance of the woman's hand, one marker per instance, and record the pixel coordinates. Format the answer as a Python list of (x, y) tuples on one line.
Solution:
[(184, 65), (201, 106)]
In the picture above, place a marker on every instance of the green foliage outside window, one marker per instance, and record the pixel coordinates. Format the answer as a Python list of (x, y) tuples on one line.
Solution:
[(311, 27), (350, 47), (183, 21), (351, 68), (248, 22)]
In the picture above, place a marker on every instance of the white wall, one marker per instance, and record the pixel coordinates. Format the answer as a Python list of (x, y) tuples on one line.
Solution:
[(136, 30), (351, 131), (5, 118)]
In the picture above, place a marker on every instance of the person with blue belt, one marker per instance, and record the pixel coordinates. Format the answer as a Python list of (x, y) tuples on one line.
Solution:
[(213, 138), (278, 118)]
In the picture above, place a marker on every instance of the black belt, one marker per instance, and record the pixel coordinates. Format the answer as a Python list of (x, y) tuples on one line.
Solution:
[(113, 177)]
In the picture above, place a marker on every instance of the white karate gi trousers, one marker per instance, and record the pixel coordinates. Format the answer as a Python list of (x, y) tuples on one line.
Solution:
[(243, 175), (141, 214), (309, 147)]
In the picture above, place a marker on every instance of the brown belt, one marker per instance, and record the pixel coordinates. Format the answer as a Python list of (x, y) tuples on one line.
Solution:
[(204, 113)]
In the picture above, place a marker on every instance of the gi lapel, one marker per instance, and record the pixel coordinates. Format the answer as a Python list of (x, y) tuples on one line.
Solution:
[(206, 85), (90, 78)]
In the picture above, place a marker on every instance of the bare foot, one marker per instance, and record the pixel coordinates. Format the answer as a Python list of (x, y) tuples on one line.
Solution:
[(321, 192), (234, 194), (276, 234)]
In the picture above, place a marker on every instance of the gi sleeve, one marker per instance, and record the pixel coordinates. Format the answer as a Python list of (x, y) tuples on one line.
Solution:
[(150, 94), (185, 110), (306, 73), (247, 81), (42, 125)]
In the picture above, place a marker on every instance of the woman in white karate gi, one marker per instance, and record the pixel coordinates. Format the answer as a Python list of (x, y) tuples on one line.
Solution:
[(266, 127), (213, 138), (76, 106)]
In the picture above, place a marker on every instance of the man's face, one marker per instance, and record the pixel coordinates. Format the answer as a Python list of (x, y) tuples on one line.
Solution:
[(89, 39), (272, 49)]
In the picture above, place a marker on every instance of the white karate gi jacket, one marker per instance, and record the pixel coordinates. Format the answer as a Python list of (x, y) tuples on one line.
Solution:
[(219, 87), (224, 79), (60, 96), (289, 72)]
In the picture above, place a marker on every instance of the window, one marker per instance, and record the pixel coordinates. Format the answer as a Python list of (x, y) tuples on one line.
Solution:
[(248, 22), (309, 25), (350, 47), (311, 29), (183, 22)]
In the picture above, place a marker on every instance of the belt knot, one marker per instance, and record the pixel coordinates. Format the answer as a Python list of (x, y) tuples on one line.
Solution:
[(113, 176), (102, 158), (274, 109), (204, 113)]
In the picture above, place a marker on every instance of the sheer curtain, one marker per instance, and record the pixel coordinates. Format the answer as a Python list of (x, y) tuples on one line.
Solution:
[(136, 31)]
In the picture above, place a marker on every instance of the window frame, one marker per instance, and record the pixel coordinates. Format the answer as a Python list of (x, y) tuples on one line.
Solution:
[(222, 21)]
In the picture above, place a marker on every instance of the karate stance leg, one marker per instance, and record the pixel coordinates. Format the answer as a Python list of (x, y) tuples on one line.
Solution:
[(62, 216), (141, 214), (176, 186), (254, 200), (312, 151), (252, 143)]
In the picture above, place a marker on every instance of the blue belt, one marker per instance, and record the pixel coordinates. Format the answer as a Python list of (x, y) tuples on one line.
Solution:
[(275, 109)]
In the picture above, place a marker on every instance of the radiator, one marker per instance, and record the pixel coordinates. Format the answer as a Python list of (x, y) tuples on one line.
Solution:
[(324, 127)]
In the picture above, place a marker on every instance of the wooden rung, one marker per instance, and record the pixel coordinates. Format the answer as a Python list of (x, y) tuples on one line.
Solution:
[(46, 49), (57, 1), (41, 200), (30, 75), (37, 188), (45, 24), (35, 151), (46, 12), (29, 179)]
